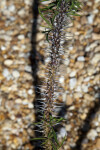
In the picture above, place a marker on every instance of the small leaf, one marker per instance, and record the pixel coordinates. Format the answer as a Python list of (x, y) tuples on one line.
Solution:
[(62, 141), (41, 14), (54, 148), (40, 138), (55, 137)]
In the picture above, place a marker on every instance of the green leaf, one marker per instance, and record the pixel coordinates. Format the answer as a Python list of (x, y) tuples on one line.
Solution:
[(55, 137), (62, 141), (41, 14), (44, 0), (40, 138), (54, 148)]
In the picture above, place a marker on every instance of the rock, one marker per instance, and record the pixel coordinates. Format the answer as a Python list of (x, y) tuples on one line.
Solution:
[(92, 134), (99, 117), (11, 8), (98, 129), (90, 19), (77, 95), (97, 49), (8, 62), (79, 65), (25, 102), (3, 48), (13, 87), (61, 79), (85, 88), (72, 74), (95, 36), (15, 74), (28, 68), (98, 143), (81, 58), (21, 12), (2, 117), (30, 91), (5, 73), (21, 37), (30, 105), (1, 77), (27, 76), (18, 101), (95, 59), (15, 47), (69, 100), (27, 2), (72, 83), (72, 108), (86, 79), (78, 89), (91, 70), (68, 127), (83, 116), (88, 97), (63, 132), (39, 36)]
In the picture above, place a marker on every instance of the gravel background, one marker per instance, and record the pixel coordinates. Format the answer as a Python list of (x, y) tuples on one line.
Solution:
[(22, 68)]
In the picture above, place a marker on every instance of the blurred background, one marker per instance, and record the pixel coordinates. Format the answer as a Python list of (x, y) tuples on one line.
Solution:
[(22, 67)]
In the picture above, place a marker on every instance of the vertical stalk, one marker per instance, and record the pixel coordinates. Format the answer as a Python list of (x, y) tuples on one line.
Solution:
[(61, 10), (53, 70)]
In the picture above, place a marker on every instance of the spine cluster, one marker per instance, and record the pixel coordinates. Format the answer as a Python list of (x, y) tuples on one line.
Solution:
[(55, 57), (52, 72), (61, 9)]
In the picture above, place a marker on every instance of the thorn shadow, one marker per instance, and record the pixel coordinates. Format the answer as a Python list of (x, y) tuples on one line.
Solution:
[(82, 132), (35, 57)]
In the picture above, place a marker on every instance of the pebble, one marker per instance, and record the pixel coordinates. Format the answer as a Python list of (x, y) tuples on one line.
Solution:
[(30, 105), (6, 72), (95, 58), (15, 74), (25, 102), (18, 101), (99, 117), (39, 36), (95, 36), (3, 48), (68, 127), (90, 19), (28, 68), (27, 2), (83, 116), (62, 133), (92, 134), (72, 74), (11, 8), (72, 83), (98, 144), (86, 79), (8, 62), (21, 37), (98, 129), (61, 79), (85, 88), (91, 70), (30, 91), (77, 95), (21, 12), (69, 100), (78, 89), (79, 65), (81, 58)]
